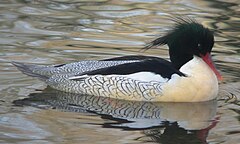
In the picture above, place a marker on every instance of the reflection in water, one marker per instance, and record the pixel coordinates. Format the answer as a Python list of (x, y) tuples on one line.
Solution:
[(159, 121), (173, 134)]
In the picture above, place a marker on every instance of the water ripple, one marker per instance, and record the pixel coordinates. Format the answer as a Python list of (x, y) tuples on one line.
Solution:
[(60, 31), (123, 14)]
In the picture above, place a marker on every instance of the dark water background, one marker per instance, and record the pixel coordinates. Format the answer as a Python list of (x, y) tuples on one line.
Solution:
[(59, 31)]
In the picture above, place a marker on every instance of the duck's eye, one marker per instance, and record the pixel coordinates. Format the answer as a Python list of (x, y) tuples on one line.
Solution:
[(199, 45)]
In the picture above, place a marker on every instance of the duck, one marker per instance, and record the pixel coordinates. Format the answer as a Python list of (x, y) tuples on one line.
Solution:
[(189, 76)]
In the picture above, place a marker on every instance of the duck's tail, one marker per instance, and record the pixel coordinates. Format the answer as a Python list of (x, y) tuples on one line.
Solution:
[(30, 70)]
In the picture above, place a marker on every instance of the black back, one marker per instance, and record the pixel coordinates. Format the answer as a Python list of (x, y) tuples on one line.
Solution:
[(146, 64)]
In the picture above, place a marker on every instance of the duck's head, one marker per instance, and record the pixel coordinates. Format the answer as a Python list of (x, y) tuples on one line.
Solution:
[(187, 39)]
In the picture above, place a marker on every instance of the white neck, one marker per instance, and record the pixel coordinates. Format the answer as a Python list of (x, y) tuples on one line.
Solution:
[(197, 67), (200, 83)]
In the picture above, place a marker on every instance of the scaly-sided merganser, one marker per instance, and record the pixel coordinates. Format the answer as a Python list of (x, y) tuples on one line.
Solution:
[(190, 76)]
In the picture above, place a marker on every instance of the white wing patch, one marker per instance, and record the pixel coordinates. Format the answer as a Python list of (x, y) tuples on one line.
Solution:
[(141, 76), (78, 77), (147, 77)]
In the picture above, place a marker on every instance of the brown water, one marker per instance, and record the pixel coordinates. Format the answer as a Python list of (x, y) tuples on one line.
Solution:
[(59, 31)]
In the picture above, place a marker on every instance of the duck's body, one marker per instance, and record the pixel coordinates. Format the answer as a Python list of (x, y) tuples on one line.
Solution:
[(190, 77)]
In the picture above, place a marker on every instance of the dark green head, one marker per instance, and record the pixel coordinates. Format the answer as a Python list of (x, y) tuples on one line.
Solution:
[(186, 39)]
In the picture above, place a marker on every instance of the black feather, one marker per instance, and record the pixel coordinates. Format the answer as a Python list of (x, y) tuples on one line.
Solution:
[(129, 57), (186, 39), (154, 65)]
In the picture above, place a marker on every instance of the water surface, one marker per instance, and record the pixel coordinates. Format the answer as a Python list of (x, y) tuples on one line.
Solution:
[(59, 31)]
